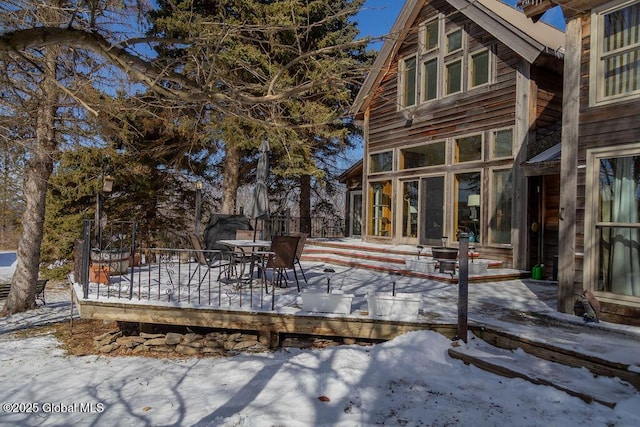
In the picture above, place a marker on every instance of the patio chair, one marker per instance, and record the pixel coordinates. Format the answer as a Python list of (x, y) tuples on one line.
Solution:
[(282, 259), (299, 249), (211, 259)]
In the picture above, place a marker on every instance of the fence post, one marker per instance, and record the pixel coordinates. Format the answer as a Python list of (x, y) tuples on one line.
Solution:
[(86, 257)]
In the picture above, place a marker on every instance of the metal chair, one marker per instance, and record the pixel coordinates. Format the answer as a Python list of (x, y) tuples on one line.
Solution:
[(299, 249), (211, 259), (283, 258)]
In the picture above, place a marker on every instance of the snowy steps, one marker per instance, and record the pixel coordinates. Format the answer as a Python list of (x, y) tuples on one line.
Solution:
[(387, 258), (519, 364)]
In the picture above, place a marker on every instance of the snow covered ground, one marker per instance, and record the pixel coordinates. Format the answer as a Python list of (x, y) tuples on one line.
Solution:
[(409, 381)]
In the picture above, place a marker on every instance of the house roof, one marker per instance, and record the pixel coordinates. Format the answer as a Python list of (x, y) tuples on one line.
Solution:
[(528, 39), (353, 170)]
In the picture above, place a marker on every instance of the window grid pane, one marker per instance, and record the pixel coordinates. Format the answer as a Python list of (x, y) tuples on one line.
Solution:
[(425, 155), (431, 36), (410, 209), (480, 68), (467, 218), (381, 162), (431, 79), (503, 143), (502, 202), (468, 149), (454, 77), (454, 41), (622, 73), (409, 94)]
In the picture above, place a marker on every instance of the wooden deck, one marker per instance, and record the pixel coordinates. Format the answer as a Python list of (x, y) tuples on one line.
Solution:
[(272, 323)]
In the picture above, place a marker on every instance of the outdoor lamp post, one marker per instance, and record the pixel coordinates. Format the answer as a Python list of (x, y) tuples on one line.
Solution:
[(394, 276), (328, 273), (198, 203), (107, 187)]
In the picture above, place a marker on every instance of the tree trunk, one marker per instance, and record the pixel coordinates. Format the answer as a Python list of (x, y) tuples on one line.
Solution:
[(305, 204), (230, 179), (39, 167)]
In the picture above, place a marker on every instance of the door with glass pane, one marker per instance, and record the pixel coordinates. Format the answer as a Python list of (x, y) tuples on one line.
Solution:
[(409, 226), (380, 209), (431, 210)]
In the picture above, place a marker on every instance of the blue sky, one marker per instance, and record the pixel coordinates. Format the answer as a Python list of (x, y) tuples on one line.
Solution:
[(378, 16)]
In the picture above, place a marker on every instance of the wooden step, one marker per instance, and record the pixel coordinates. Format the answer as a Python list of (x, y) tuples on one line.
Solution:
[(391, 258), (518, 364)]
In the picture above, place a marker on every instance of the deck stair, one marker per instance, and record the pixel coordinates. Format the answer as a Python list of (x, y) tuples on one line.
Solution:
[(381, 257), (519, 364)]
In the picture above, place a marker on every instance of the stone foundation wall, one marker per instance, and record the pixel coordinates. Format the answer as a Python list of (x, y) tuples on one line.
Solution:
[(213, 343)]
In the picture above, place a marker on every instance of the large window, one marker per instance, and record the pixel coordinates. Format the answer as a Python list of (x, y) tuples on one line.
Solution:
[(615, 65), (467, 204), (618, 225), (446, 66), (432, 205), (432, 154), (502, 196)]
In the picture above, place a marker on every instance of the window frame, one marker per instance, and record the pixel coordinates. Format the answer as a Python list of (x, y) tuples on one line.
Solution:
[(423, 35), (597, 56), (454, 159), (402, 90), (402, 163), (592, 222), (377, 153), (491, 231), (492, 143), (443, 60), (471, 68)]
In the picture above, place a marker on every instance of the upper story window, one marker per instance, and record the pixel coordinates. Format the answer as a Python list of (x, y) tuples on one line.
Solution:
[(479, 68), (615, 44), (431, 37), (381, 162), (454, 41), (408, 74), (443, 65)]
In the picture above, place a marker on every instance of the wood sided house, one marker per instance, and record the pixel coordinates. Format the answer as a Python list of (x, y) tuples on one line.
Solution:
[(600, 158), (462, 95)]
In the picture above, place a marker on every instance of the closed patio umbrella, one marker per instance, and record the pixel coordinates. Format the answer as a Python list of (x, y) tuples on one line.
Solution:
[(260, 203)]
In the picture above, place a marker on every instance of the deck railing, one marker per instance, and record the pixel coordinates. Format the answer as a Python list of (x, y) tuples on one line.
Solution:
[(168, 275), (175, 276)]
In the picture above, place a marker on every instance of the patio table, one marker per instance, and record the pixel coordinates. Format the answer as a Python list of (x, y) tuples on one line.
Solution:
[(248, 249)]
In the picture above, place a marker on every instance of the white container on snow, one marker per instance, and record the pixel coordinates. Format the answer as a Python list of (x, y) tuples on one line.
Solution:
[(478, 266), (322, 302), (387, 305), (424, 265)]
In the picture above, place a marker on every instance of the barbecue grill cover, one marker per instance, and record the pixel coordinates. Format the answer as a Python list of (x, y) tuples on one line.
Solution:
[(223, 227)]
